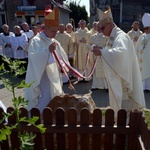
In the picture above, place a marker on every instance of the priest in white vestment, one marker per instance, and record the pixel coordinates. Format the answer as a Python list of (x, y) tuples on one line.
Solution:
[(135, 32), (120, 66), (19, 43), (143, 52), (43, 68), (26, 30), (5, 37), (81, 38), (69, 30), (67, 44), (93, 30), (99, 79)]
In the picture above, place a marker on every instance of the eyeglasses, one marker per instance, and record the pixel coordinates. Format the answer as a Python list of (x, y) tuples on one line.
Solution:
[(146, 28)]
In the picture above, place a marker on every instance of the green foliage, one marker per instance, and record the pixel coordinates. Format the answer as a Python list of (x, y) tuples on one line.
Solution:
[(7, 76), (26, 142), (78, 12), (147, 117), (4, 132)]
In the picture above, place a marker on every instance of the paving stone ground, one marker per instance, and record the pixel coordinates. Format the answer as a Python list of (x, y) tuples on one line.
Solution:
[(100, 97)]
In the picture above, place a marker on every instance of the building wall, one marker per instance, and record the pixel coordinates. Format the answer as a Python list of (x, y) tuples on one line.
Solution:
[(134, 10), (21, 14), (37, 15), (40, 4), (64, 18)]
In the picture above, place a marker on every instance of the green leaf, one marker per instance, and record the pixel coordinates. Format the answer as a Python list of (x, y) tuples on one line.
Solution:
[(33, 120), (7, 60), (4, 132), (2, 67), (26, 141), (41, 128), (23, 119), (7, 83)]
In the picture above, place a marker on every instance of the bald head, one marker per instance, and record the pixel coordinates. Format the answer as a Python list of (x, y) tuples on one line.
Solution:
[(61, 28)]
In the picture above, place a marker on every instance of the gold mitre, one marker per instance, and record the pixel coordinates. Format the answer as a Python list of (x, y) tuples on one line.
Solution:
[(51, 17), (105, 17)]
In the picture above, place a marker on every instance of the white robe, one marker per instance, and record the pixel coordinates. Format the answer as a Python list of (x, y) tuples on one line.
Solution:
[(28, 33), (66, 42), (122, 72), (134, 34), (7, 51), (143, 54), (82, 50), (74, 49), (17, 41), (99, 80), (43, 71)]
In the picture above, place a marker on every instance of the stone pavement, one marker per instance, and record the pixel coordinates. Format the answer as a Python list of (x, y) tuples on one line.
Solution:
[(100, 97)]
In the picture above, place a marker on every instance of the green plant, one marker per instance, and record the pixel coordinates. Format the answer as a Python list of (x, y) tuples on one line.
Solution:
[(7, 77), (147, 117)]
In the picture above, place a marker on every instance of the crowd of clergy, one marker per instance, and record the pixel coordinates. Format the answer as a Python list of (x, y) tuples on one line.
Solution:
[(77, 43)]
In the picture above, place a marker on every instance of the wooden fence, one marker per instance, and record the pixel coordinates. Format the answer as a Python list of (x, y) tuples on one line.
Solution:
[(64, 132)]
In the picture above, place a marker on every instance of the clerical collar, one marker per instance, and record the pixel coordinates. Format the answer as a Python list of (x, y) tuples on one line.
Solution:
[(18, 34), (26, 31), (6, 34)]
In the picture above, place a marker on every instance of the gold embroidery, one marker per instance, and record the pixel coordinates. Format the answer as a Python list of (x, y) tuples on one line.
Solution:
[(141, 51), (141, 60)]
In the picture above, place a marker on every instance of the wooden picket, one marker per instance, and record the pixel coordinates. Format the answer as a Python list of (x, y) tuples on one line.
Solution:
[(67, 133)]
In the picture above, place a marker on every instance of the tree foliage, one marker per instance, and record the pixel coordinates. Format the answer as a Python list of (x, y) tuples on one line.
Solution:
[(78, 12)]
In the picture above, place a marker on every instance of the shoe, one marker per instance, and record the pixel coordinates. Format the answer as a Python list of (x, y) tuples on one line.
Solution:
[(94, 89), (72, 77), (107, 90), (147, 91)]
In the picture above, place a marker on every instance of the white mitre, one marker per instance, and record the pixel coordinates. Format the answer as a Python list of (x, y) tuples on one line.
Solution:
[(105, 17), (146, 20)]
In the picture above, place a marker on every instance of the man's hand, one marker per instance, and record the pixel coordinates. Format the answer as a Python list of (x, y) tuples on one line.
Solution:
[(83, 40), (52, 47), (96, 50), (135, 39)]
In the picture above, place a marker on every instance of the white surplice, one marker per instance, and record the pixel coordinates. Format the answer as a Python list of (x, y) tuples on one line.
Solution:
[(4, 40), (28, 33), (17, 41)]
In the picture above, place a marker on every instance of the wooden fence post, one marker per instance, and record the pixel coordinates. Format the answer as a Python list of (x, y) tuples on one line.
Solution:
[(135, 120)]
